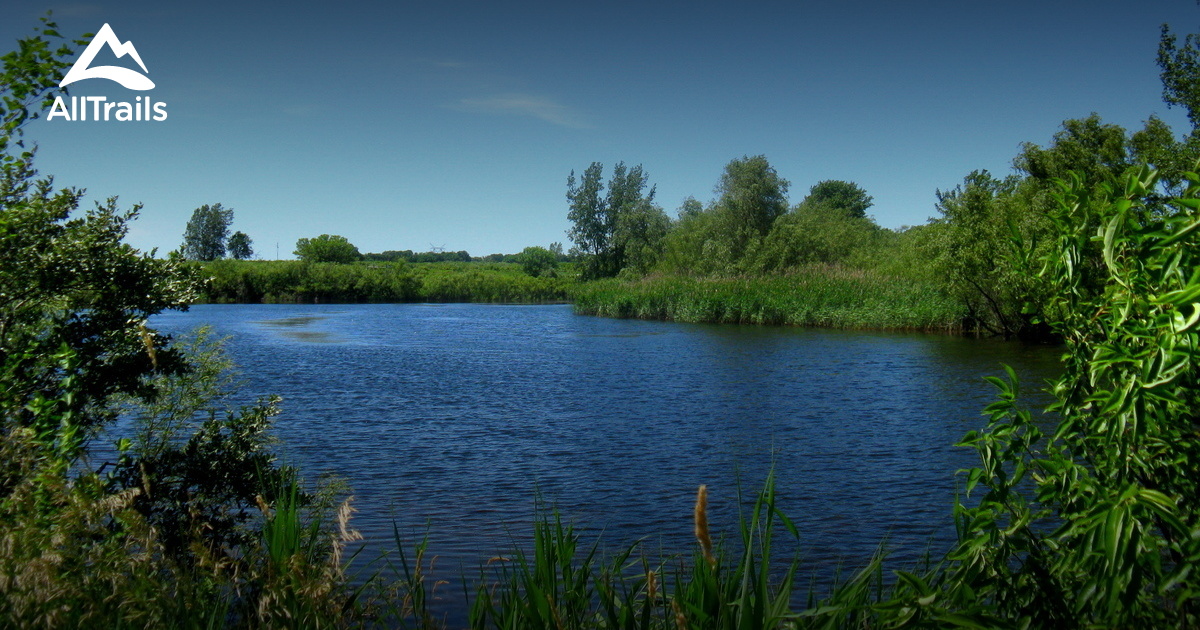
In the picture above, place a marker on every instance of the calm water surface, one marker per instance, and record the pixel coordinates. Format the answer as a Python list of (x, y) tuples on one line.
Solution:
[(451, 419)]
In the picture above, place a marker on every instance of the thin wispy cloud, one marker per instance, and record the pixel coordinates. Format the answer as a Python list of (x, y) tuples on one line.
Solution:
[(524, 105)]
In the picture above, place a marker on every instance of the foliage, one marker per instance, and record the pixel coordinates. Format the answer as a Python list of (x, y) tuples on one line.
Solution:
[(751, 196), (408, 255), (1181, 73), (814, 234), (589, 216), (980, 220), (206, 233), (833, 195), (1117, 479), (159, 543), (1095, 151), (240, 246), (563, 584), (1094, 524), (816, 295), (621, 229), (326, 248), (30, 82), (299, 281), (538, 261)]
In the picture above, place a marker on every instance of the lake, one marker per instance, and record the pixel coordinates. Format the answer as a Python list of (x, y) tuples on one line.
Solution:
[(452, 420)]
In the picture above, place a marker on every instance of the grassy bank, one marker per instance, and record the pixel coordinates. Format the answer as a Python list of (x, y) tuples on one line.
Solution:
[(302, 282), (813, 296)]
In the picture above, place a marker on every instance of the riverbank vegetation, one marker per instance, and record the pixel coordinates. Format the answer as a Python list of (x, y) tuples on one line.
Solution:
[(302, 281), (188, 520), (818, 295)]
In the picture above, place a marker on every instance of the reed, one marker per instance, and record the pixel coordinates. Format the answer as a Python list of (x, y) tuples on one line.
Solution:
[(291, 281), (833, 297)]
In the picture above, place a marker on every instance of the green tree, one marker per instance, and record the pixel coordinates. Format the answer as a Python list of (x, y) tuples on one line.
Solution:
[(639, 233), (588, 212), (604, 228), (690, 207), (206, 233), (751, 195), (76, 298), (813, 234), (638, 225), (846, 197), (538, 261), (1092, 149), (83, 546), (980, 219), (240, 246), (1180, 74), (29, 84), (327, 248)]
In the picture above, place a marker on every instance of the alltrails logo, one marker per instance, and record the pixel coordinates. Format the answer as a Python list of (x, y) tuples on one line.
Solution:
[(142, 108)]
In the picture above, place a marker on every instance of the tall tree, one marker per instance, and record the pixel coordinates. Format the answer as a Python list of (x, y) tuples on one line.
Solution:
[(588, 213), (1096, 151), (204, 238), (845, 197), (1181, 73), (751, 196), (606, 228), (637, 225), (240, 246)]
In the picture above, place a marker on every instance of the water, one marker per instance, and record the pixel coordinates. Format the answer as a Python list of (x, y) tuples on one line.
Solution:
[(450, 421)]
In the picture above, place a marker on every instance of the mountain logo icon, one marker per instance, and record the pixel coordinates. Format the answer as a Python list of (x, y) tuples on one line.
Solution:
[(128, 78)]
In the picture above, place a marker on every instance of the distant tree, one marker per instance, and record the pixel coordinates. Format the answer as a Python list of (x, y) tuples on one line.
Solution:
[(204, 238), (240, 246), (327, 248), (690, 208), (639, 235), (637, 224), (588, 212), (751, 196), (556, 248), (606, 227), (841, 195), (538, 261)]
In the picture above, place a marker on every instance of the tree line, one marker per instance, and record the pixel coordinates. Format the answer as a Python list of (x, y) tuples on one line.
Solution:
[(750, 230)]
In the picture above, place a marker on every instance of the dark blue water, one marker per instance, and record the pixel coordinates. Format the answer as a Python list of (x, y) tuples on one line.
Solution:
[(451, 419)]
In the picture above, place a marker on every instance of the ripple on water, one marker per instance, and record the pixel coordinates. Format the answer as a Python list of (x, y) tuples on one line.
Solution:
[(451, 420)]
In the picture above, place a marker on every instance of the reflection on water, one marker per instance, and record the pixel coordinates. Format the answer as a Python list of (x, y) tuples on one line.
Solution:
[(448, 420), (297, 328)]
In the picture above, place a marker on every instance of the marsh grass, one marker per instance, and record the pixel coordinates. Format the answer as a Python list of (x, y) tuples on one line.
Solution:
[(291, 281), (824, 296)]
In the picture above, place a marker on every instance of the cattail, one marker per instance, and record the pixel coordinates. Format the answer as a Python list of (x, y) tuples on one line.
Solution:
[(702, 535), (680, 618), (148, 342), (651, 586), (262, 505)]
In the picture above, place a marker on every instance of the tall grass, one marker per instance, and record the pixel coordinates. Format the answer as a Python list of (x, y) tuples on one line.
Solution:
[(291, 281), (74, 555), (813, 296)]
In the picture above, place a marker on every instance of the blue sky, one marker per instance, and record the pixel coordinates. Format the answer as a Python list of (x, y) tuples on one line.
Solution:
[(409, 125)]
